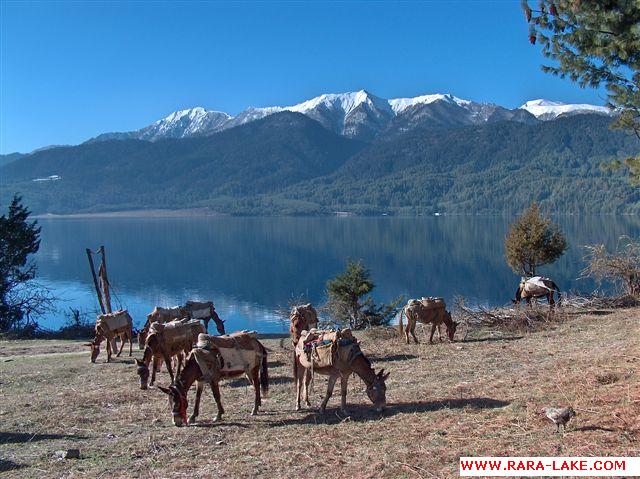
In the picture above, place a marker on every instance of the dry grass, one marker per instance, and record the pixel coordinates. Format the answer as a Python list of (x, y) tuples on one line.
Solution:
[(479, 397)]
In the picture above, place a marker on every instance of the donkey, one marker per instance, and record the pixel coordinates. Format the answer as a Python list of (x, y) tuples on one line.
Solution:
[(536, 287), (160, 315), (415, 312), (175, 339), (206, 312), (215, 358), (109, 326), (346, 358)]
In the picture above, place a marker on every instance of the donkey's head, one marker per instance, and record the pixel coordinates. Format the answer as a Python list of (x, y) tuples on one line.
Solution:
[(142, 337), (95, 347), (216, 319), (143, 372), (178, 403), (452, 326), (377, 391)]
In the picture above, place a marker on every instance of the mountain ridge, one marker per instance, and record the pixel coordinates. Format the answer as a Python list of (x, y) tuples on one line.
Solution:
[(358, 114)]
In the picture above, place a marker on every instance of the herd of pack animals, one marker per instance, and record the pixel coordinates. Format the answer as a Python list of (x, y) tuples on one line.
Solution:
[(180, 333)]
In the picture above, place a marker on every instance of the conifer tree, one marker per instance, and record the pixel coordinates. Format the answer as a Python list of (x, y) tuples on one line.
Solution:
[(594, 43), (533, 241)]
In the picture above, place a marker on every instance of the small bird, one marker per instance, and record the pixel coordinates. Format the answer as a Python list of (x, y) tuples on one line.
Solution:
[(560, 416)]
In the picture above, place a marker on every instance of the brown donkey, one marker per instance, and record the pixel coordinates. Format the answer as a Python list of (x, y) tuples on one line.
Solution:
[(109, 326), (336, 354), (215, 358), (160, 315), (427, 311), (165, 341)]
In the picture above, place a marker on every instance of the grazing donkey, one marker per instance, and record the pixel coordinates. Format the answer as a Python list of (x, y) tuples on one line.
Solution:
[(109, 326), (215, 358), (536, 287), (160, 315), (427, 310), (336, 354), (206, 312), (165, 341)]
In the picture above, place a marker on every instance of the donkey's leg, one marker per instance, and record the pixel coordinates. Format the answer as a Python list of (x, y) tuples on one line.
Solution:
[(108, 351), (332, 382), (180, 358), (122, 336), (196, 405), (215, 389), (301, 372), (433, 330), (167, 361), (255, 379), (307, 381), (440, 332), (154, 369), (130, 343), (344, 379), (206, 325), (413, 332)]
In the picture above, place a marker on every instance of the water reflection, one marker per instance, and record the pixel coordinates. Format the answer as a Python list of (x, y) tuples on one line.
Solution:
[(249, 266)]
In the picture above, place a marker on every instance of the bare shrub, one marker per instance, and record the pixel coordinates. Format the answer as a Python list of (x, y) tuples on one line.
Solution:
[(620, 267)]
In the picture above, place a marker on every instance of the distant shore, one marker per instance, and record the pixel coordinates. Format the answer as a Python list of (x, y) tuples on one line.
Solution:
[(136, 214)]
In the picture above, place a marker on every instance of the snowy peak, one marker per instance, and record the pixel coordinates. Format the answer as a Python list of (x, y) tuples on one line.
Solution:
[(398, 105), (548, 109)]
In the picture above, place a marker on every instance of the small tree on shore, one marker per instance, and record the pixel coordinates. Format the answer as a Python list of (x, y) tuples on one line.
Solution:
[(533, 241), (345, 302), (621, 267), (20, 298)]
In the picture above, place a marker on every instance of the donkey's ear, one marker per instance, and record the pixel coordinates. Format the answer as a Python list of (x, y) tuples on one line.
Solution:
[(380, 373), (164, 390), (384, 378)]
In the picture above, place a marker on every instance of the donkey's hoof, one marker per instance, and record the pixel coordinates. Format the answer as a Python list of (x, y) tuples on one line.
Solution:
[(192, 420), (298, 408), (254, 412), (218, 418)]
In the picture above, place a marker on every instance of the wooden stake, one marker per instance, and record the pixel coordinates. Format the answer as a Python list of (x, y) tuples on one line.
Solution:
[(105, 280), (95, 280)]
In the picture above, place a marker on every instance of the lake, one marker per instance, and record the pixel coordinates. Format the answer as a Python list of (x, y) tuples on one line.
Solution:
[(250, 267)]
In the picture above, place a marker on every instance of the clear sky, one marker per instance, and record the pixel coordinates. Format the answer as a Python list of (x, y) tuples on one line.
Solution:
[(72, 70)]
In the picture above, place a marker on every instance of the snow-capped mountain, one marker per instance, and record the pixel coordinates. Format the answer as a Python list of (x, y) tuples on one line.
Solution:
[(549, 110), (360, 115)]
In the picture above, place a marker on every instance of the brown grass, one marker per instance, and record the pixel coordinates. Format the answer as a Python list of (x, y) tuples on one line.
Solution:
[(480, 397)]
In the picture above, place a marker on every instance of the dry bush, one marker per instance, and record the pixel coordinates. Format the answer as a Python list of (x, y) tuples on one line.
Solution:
[(518, 318), (620, 267)]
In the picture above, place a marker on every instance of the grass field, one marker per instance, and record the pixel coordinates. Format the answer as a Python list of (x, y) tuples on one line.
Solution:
[(483, 396)]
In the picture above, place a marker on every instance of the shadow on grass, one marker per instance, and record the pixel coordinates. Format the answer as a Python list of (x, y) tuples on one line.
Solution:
[(395, 357), (487, 340), (6, 465), (23, 437), (594, 428), (274, 364), (244, 382), (363, 413), (211, 423)]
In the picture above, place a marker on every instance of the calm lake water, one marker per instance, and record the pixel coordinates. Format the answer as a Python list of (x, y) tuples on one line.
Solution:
[(251, 266)]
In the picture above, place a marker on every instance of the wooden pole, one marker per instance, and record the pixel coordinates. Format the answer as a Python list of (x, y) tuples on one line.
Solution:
[(105, 280), (95, 280)]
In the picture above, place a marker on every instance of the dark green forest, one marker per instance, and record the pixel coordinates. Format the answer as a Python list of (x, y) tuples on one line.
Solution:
[(288, 164)]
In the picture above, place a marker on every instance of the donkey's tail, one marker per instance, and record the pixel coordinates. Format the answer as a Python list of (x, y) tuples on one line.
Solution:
[(400, 328), (557, 290), (264, 373)]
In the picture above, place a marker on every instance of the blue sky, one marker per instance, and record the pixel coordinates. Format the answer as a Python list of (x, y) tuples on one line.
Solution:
[(72, 70)]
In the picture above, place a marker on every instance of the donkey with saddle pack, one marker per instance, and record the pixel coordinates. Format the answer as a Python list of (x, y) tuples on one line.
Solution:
[(336, 354), (215, 358)]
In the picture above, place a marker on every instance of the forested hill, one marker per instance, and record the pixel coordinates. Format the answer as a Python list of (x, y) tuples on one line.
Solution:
[(288, 163)]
